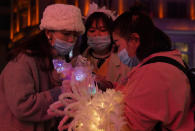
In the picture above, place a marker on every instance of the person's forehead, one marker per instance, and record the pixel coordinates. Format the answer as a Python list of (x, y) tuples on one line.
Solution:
[(67, 32), (98, 22)]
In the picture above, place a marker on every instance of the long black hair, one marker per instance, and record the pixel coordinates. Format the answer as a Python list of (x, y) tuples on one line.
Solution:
[(36, 46)]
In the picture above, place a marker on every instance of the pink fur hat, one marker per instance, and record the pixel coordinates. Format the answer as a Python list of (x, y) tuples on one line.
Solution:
[(62, 17)]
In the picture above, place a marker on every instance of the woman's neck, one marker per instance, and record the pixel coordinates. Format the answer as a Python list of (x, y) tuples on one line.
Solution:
[(101, 54)]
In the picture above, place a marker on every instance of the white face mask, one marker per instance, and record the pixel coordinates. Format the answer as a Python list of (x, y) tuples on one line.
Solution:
[(63, 48), (125, 59), (99, 42)]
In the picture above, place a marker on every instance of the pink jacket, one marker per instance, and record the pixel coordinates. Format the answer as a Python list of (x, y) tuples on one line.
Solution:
[(158, 92), (25, 95)]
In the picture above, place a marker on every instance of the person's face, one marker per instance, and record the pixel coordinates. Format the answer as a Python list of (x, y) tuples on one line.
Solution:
[(120, 42), (131, 45), (97, 28), (68, 36)]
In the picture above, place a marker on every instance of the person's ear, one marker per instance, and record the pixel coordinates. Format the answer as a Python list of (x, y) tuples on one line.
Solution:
[(48, 35), (135, 38)]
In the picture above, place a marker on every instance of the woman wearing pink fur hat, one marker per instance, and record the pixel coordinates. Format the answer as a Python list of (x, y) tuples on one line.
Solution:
[(28, 84)]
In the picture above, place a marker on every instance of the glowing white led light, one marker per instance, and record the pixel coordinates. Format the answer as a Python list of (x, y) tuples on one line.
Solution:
[(79, 75)]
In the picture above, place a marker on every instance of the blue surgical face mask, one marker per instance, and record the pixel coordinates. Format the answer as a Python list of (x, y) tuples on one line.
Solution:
[(63, 47), (99, 42), (125, 59)]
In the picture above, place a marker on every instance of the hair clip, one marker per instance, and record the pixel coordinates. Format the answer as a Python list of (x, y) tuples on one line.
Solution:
[(93, 7)]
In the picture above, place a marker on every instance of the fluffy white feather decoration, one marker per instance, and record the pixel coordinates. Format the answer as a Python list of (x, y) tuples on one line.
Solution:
[(90, 108), (102, 112)]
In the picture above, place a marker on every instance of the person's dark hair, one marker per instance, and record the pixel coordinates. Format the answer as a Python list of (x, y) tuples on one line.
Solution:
[(152, 39), (140, 7), (36, 46), (97, 16)]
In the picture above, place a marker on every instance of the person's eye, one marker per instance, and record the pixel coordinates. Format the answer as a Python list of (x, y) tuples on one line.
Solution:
[(115, 41), (134, 38), (76, 35), (103, 30), (91, 31), (66, 34)]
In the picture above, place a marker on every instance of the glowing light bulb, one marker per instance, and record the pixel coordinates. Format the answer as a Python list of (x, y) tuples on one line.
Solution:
[(79, 75), (98, 119), (81, 124), (102, 105), (93, 127)]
